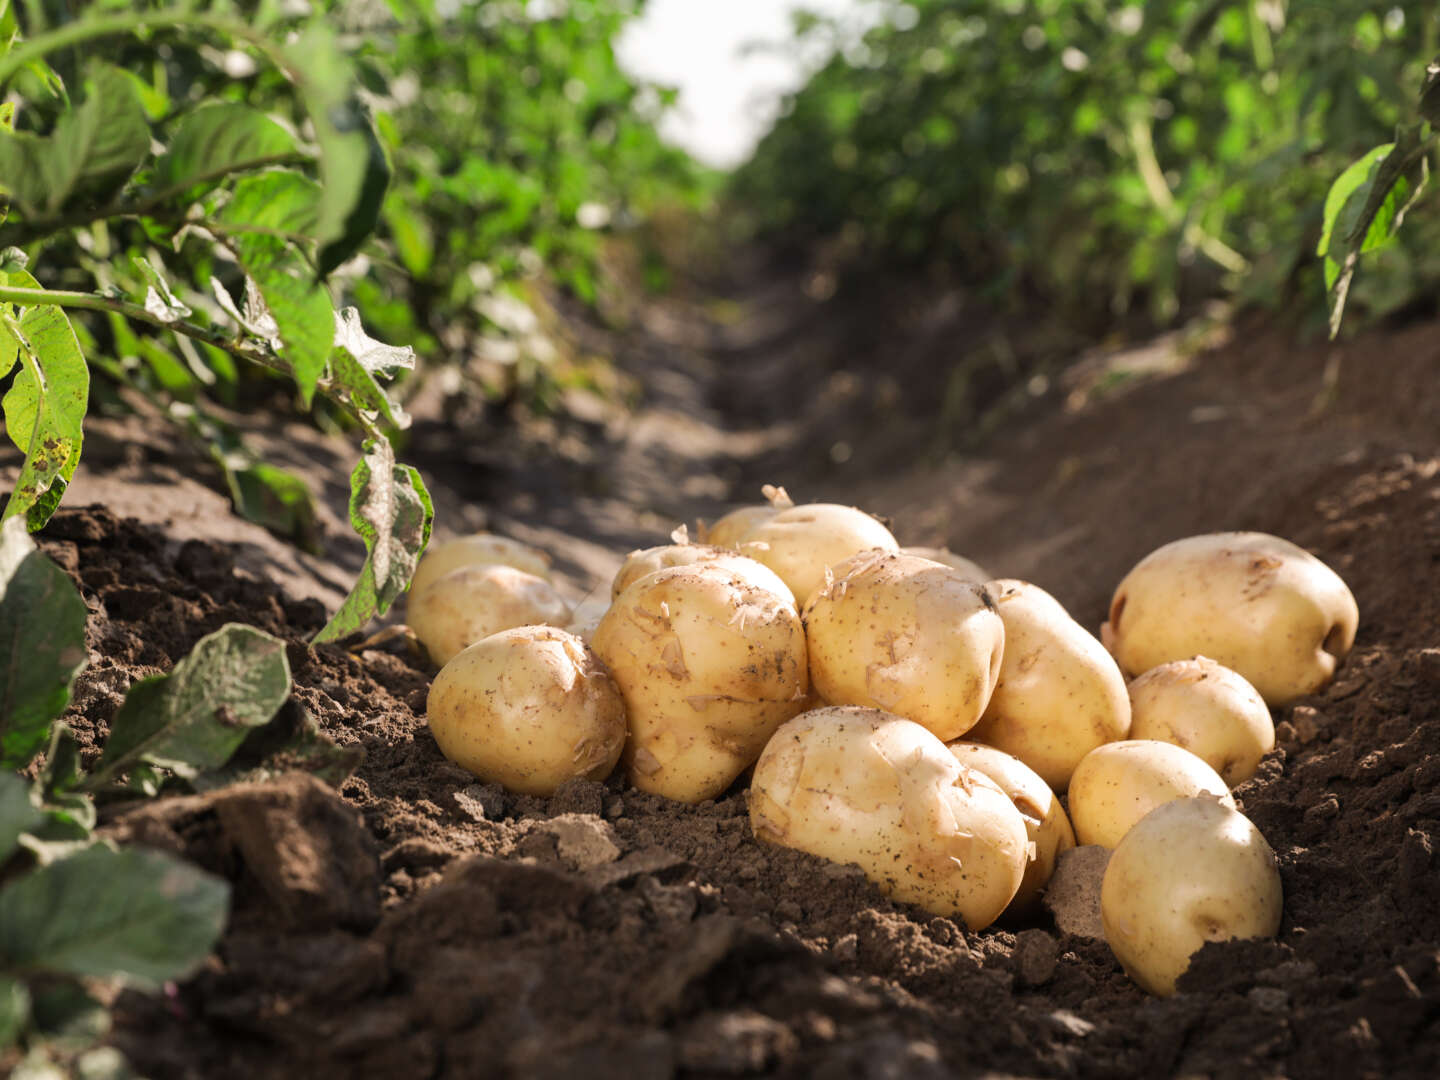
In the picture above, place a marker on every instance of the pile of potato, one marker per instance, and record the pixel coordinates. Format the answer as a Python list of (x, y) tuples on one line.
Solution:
[(907, 714)]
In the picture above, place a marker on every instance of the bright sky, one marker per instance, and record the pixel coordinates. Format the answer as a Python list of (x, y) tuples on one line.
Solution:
[(727, 101)]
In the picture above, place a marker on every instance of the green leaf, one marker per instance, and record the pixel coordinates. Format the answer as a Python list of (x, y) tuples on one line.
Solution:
[(63, 1013), (45, 407), (293, 740), (353, 168), (42, 644), (194, 718), (217, 140), (140, 915), (14, 1011), (70, 813), (392, 512), (93, 150), (358, 358), (278, 500), (267, 215), (1430, 94), (18, 814)]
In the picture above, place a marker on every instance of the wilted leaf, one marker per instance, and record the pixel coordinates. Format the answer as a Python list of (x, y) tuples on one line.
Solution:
[(194, 718), (364, 391), (141, 915), (374, 356), (392, 512), (42, 644), (45, 407), (218, 140), (160, 300)]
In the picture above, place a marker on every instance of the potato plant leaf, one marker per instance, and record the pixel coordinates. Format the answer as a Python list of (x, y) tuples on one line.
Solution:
[(69, 812), (42, 644), (194, 718), (293, 740), (392, 512), (93, 150), (1365, 207), (160, 299), (45, 407), (218, 140), (268, 215), (143, 916), (18, 814), (14, 1010)]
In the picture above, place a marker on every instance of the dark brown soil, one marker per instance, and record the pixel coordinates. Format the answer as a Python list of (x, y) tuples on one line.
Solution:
[(419, 924)]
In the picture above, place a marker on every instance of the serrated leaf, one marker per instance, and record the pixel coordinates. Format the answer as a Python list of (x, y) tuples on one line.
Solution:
[(93, 150), (45, 407), (14, 1010), (160, 299), (194, 718), (216, 141), (267, 215), (392, 512), (18, 814), (154, 918), (42, 644)]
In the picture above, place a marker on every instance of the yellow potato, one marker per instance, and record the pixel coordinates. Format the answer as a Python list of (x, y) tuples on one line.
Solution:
[(477, 550), (1255, 603), (1209, 710), (729, 529), (1191, 871), (528, 708), (465, 605), (802, 543), (866, 787), (1045, 821), (1060, 694), (972, 571), (639, 563), (710, 663), (908, 635), (1117, 784)]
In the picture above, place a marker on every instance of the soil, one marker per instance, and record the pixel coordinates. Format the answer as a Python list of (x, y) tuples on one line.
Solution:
[(416, 923)]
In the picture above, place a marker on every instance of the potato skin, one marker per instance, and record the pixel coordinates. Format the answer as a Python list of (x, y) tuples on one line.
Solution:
[(1256, 603), (1189, 872), (1046, 823), (1059, 695), (710, 663), (907, 635), (528, 708), (479, 549), (473, 602), (973, 571), (801, 542), (1209, 710), (1117, 784), (729, 529), (647, 560), (863, 786)]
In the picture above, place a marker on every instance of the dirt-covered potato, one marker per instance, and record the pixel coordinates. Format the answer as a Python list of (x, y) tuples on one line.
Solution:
[(1191, 871), (907, 635), (866, 787), (478, 550), (647, 560), (1256, 603), (1117, 784), (459, 608), (972, 571), (1060, 694), (710, 663), (1209, 710), (1046, 823), (528, 708), (801, 543), (727, 531)]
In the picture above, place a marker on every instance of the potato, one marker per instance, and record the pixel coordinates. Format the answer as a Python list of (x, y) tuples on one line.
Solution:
[(1046, 824), (710, 663), (459, 608), (1060, 694), (801, 543), (1209, 710), (1117, 784), (972, 571), (478, 550), (866, 787), (647, 560), (1189, 872), (908, 635), (528, 708), (730, 528), (1255, 603)]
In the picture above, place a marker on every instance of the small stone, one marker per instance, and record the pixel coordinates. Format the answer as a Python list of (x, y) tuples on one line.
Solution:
[(481, 802), (1073, 895), (1035, 957), (1071, 1024), (846, 949), (1305, 719), (583, 841)]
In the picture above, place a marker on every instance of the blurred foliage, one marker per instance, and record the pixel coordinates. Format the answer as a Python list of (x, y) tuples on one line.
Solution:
[(1110, 157)]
